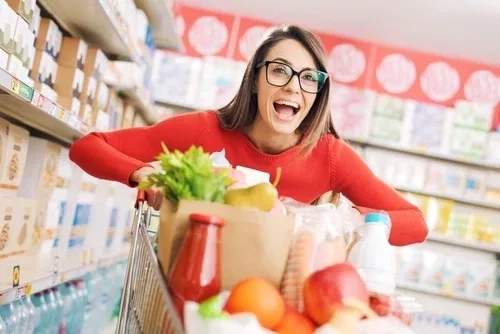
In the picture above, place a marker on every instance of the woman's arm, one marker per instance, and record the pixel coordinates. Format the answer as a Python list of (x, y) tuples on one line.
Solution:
[(352, 177), (116, 155)]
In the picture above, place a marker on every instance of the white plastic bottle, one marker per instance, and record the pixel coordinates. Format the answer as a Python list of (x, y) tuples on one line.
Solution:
[(3, 327), (373, 256)]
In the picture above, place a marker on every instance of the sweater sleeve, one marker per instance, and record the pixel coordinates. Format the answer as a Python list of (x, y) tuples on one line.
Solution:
[(353, 178), (117, 154)]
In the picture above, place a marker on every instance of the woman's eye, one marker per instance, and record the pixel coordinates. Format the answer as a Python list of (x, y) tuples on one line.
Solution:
[(309, 77), (279, 70)]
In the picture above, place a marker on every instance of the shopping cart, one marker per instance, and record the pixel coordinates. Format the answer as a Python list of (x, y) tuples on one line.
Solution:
[(146, 306)]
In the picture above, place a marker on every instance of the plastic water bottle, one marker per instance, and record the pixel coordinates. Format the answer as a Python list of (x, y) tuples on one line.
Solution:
[(60, 310), (23, 316), (11, 317), (52, 311), (80, 305), (32, 315), (3, 326), (373, 256), (42, 316)]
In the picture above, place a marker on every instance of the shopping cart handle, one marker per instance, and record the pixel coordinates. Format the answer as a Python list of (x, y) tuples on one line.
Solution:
[(141, 198)]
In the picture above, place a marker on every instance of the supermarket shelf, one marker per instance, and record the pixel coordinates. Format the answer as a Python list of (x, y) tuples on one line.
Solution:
[(41, 280), (131, 94), (180, 108), (415, 288), (476, 245), (94, 21), (162, 21), (458, 199), (22, 103), (437, 156)]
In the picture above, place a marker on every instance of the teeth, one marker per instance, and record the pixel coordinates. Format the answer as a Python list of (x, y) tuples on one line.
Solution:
[(288, 103)]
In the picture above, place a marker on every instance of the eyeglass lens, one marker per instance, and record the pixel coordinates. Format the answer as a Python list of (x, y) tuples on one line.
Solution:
[(279, 75)]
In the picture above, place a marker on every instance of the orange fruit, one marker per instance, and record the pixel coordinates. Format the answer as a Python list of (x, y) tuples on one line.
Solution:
[(257, 296), (295, 323)]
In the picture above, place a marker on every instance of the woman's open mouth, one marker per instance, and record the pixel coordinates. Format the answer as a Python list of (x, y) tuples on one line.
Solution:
[(286, 110)]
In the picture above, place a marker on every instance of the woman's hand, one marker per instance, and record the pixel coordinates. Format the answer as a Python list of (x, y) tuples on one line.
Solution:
[(154, 195)]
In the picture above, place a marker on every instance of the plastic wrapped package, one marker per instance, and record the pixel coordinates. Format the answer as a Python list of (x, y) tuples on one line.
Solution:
[(319, 242)]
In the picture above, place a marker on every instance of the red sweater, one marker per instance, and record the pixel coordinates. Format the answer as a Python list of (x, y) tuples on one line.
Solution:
[(332, 165)]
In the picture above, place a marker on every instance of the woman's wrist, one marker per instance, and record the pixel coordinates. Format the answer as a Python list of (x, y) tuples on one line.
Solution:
[(140, 174)]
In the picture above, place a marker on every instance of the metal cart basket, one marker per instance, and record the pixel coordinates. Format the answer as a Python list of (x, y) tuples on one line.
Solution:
[(146, 306)]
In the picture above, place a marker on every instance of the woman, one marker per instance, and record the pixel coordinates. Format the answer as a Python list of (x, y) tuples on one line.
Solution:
[(278, 118)]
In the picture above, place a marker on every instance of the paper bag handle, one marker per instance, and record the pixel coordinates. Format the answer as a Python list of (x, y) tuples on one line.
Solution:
[(141, 198)]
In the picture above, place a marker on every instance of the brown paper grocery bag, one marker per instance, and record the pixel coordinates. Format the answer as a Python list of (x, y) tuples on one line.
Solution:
[(254, 243)]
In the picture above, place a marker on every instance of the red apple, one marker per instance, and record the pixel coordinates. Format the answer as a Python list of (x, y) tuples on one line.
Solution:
[(326, 291)]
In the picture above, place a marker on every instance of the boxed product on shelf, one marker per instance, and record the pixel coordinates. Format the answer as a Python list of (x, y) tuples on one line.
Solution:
[(35, 22), (96, 63), (4, 59), (128, 115), (73, 53), (49, 38), (22, 54), (16, 226), (25, 8), (40, 174), (87, 99), (69, 85), (44, 73), (24, 217), (6, 227), (468, 142), (14, 142), (102, 96), (115, 116), (351, 110), (427, 125), (60, 196), (492, 192), (475, 184), (8, 20), (85, 201), (493, 153), (473, 115)]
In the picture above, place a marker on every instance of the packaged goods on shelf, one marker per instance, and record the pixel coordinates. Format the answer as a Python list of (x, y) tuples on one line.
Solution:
[(96, 63), (447, 271), (8, 20), (25, 8), (14, 150), (351, 110)]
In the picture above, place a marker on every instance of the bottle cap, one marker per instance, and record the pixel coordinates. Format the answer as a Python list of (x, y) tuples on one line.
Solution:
[(377, 218)]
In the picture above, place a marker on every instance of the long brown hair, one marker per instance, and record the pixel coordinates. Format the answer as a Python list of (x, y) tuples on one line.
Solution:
[(241, 111)]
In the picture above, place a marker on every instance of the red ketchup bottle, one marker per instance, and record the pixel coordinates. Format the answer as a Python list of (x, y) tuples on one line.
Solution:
[(196, 273)]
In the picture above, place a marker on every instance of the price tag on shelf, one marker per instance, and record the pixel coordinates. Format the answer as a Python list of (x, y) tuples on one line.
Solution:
[(16, 276), (53, 109), (55, 265), (63, 278), (14, 85), (27, 291), (84, 257)]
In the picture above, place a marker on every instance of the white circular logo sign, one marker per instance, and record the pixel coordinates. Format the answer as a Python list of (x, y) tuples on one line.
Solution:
[(347, 63), (482, 86), (208, 35), (250, 40), (439, 81), (396, 73)]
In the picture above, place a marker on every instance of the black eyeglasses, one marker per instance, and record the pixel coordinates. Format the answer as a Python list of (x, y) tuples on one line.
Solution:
[(279, 74)]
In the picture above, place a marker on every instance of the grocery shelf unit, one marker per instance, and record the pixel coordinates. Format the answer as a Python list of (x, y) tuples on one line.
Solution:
[(98, 25), (25, 105), (162, 22)]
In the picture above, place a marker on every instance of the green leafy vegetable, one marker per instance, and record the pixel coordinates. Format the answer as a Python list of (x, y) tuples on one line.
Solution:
[(189, 176)]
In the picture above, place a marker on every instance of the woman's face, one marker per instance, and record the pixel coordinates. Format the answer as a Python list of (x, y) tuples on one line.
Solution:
[(282, 109)]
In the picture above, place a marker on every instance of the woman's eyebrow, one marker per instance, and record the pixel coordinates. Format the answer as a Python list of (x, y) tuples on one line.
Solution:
[(283, 60)]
